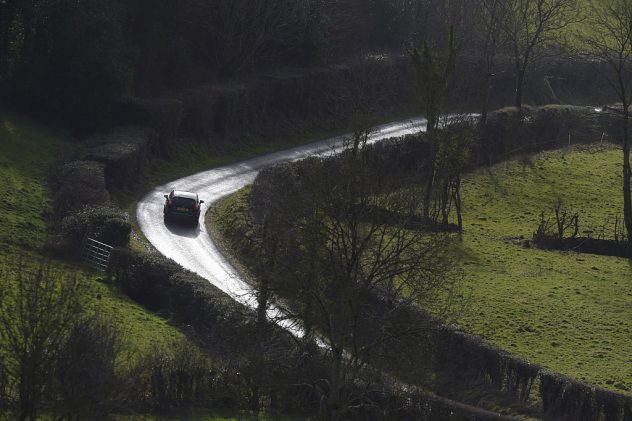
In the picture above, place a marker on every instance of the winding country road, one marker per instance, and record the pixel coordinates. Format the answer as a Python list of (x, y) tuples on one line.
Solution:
[(192, 248)]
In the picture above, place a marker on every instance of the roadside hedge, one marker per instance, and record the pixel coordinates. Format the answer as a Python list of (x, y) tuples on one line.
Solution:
[(107, 224), (229, 329), (457, 355), (123, 151), (79, 184)]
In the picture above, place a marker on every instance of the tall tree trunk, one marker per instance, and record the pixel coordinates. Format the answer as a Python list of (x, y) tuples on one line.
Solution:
[(428, 193), (336, 384), (519, 87), (445, 201), (457, 202), (485, 109), (627, 197)]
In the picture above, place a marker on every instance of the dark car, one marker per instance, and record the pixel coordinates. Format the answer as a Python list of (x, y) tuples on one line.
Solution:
[(182, 205)]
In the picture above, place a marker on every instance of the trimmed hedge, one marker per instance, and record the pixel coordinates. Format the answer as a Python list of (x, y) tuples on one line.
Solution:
[(79, 184), (511, 131), (165, 287), (288, 102), (103, 223), (123, 151), (229, 329)]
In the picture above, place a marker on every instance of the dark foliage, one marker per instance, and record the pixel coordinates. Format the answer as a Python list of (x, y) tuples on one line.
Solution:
[(163, 115), (560, 233), (79, 184), (75, 60), (182, 377), (123, 152), (457, 355), (228, 331), (510, 131), (103, 223), (87, 381), (586, 245)]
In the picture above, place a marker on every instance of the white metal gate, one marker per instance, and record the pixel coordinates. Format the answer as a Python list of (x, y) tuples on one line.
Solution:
[(96, 254)]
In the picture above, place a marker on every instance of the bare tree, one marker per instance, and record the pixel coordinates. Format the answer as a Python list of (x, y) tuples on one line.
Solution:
[(38, 307), (530, 27), (353, 257), (451, 159), (88, 372), (242, 33), (366, 253), (611, 42), (489, 17), (433, 74)]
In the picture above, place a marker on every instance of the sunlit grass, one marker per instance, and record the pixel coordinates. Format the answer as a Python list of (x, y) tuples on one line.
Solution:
[(27, 152), (569, 312)]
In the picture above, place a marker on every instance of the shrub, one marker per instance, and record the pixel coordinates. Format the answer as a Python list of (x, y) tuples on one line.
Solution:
[(144, 277), (103, 223), (180, 377), (80, 183), (37, 308), (86, 377)]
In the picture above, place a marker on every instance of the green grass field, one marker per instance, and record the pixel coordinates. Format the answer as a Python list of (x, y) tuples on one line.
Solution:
[(569, 312), (27, 152)]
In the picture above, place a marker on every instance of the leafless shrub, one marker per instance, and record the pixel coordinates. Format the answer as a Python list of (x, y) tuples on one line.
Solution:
[(564, 226), (38, 307)]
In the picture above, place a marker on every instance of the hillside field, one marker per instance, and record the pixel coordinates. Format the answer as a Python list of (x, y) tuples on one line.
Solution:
[(27, 153), (569, 312)]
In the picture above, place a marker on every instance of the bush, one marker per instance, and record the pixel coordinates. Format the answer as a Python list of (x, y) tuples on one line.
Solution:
[(144, 277), (103, 223), (511, 131), (182, 377), (38, 305), (88, 382), (122, 151), (79, 184)]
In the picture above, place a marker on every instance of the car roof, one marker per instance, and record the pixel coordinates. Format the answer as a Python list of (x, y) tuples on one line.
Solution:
[(181, 193)]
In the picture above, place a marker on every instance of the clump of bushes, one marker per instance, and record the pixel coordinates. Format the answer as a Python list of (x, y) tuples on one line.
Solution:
[(78, 184), (103, 223), (560, 232)]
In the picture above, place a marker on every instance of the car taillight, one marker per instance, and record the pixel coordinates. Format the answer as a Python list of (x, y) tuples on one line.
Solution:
[(197, 206), (169, 203)]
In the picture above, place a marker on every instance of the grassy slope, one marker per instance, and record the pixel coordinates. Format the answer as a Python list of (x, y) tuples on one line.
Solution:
[(26, 153), (569, 312)]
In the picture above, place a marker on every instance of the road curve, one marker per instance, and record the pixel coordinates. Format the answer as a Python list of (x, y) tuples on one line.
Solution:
[(192, 248)]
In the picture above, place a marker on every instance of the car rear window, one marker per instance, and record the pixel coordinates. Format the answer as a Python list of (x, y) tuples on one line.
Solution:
[(183, 202)]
